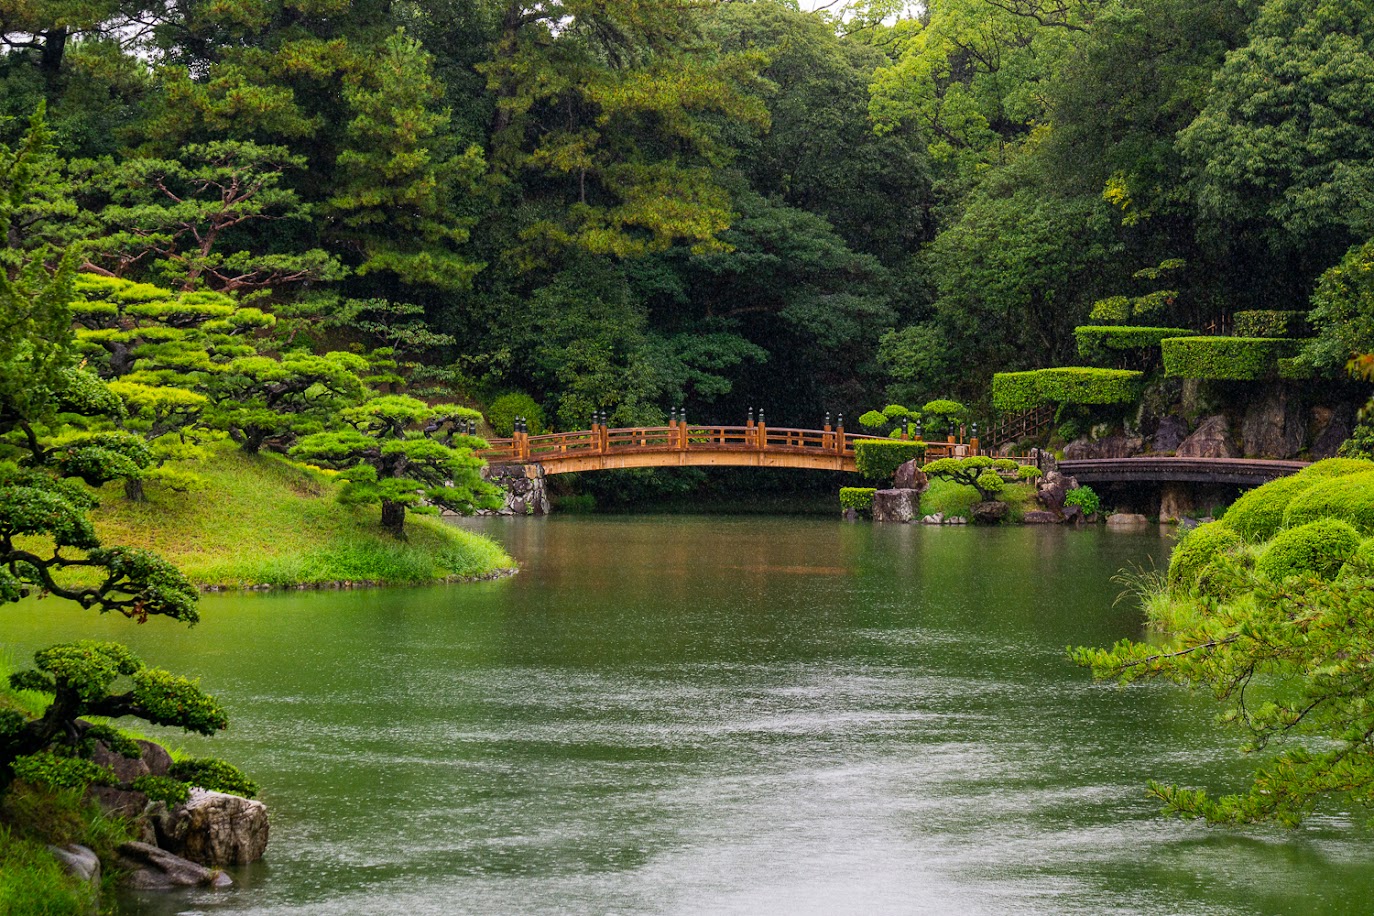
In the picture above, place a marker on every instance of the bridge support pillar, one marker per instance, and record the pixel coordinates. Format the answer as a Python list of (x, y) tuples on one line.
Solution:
[(525, 487)]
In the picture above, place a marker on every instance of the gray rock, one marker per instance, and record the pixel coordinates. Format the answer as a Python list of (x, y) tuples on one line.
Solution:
[(910, 477), (1331, 430), (79, 862), (989, 512), (1126, 520), (1176, 503), (213, 828), (1118, 446), (151, 868), (1274, 424), (1052, 488), (1040, 517), (153, 760), (121, 802), (936, 519), (850, 515), (1169, 435), (956, 520), (1073, 514), (1211, 439), (895, 505)]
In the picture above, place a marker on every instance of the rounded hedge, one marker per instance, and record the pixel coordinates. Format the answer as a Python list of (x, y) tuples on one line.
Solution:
[(1028, 472), (1349, 498), (1336, 467), (1199, 548), (1258, 515), (1317, 548), (990, 482), (1361, 562), (501, 414)]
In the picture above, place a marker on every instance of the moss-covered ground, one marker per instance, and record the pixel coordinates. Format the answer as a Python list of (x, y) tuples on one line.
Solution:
[(261, 520)]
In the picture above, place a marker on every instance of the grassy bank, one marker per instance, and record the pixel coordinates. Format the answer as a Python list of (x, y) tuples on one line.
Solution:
[(260, 520)]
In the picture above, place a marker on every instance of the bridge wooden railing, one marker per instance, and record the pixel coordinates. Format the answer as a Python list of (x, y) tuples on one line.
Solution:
[(685, 437)]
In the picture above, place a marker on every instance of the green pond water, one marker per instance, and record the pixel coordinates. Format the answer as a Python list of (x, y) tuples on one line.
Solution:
[(693, 715)]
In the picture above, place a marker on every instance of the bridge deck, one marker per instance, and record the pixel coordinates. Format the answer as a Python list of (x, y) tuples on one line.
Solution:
[(1245, 472), (687, 445)]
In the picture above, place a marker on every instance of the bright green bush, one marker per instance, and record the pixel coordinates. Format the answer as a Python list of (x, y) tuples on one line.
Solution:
[(1336, 467), (1258, 515), (991, 482), (1198, 548), (1085, 498), (1014, 391), (502, 412), (1101, 343), (860, 498), (1269, 323), (1233, 358), (165, 789), (943, 415), (215, 775), (879, 459), (1349, 498), (1028, 472), (1005, 464), (1317, 548), (874, 419), (1361, 562)]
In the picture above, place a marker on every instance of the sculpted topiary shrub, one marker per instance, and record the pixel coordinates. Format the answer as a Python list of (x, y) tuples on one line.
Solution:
[(879, 459), (1349, 498), (1318, 549), (503, 411), (1195, 551), (1361, 562), (1258, 515), (1233, 358), (1336, 467), (857, 498)]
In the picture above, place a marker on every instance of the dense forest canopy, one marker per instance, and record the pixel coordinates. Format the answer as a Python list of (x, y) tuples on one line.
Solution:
[(631, 206)]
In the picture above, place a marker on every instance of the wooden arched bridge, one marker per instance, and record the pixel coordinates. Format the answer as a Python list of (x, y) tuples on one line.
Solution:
[(681, 444)]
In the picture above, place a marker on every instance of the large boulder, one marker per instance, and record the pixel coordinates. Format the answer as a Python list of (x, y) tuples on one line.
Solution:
[(1169, 435), (1176, 503), (1052, 488), (1274, 424), (910, 477), (214, 828), (895, 505), (153, 760), (1117, 446), (80, 862), (1040, 517), (1126, 520), (990, 512), (150, 868), (1331, 428), (1211, 439)]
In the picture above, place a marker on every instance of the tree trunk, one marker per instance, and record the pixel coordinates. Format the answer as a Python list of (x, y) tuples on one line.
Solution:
[(394, 518), (133, 490), (54, 49)]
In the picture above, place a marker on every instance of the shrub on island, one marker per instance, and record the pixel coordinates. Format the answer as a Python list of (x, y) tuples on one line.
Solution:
[(879, 459)]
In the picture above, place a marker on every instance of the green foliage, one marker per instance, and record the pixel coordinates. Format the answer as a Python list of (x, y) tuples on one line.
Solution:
[(1104, 343), (501, 413), (874, 420), (1085, 498), (1343, 311), (990, 482), (215, 775), (1349, 498), (943, 416), (860, 498), (1258, 515), (1317, 548), (162, 788), (403, 453), (53, 772), (1308, 643), (1336, 467), (1233, 358), (1028, 472), (1269, 323), (977, 472), (1018, 391), (1196, 551), (33, 883), (879, 459), (1360, 445)]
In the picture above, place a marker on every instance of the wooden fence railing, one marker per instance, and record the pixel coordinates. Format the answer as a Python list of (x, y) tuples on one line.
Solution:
[(690, 437)]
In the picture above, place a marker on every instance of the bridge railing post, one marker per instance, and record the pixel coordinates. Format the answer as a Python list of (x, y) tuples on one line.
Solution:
[(839, 440)]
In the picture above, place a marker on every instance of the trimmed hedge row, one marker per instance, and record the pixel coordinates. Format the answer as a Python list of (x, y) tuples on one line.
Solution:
[(1270, 323), (1015, 391), (1100, 342), (879, 459), (1227, 358), (860, 498)]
